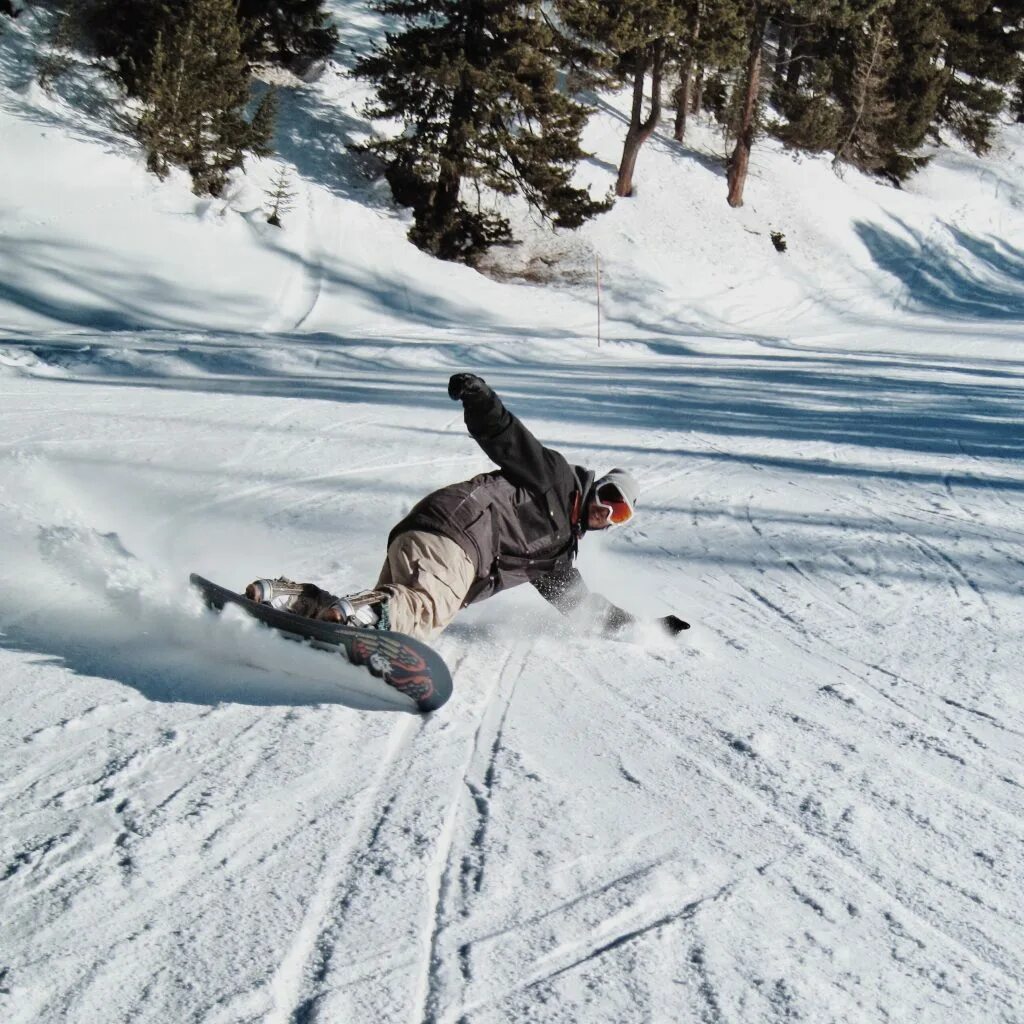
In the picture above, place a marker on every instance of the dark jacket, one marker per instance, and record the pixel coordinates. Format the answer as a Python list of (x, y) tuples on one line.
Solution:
[(522, 522)]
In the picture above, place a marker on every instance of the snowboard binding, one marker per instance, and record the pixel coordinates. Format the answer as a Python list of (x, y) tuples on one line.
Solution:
[(367, 609)]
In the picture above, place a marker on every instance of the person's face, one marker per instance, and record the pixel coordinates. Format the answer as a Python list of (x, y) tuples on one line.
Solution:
[(597, 516)]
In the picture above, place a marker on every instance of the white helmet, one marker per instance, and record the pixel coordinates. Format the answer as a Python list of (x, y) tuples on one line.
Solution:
[(617, 492)]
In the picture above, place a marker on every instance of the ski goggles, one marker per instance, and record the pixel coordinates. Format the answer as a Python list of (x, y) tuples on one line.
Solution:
[(619, 507)]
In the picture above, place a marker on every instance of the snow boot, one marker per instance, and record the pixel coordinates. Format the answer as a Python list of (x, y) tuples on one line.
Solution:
[(305, 599), (279, 593), (368, 609)]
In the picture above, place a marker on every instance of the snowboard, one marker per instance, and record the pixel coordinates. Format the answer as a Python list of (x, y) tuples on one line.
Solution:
[(399, 661)]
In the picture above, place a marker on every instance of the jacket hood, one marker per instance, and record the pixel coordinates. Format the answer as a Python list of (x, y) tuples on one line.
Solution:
[(623, 480), (586, 482)]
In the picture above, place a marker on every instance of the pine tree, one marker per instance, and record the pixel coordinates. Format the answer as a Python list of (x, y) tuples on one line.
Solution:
[(56, 56), (866, 138), (981, 58), (194, 95), (279, 197), (814, 118), (686, 58), (714, 40), (813, 28), (746, 129), (629, 39), (124, 31), (473, 83), (292, 33)]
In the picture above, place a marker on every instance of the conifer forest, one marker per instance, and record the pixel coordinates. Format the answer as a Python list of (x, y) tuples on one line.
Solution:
[(477, 98)]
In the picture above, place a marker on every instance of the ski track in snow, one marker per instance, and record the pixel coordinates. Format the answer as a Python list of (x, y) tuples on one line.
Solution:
[(305, 961), (810, 807), (814, 737)]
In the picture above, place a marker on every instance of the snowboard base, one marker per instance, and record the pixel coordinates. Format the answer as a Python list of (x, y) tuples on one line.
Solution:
[(398, 661)]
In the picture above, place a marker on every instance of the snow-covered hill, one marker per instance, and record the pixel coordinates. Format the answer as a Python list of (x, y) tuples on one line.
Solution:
[(811, 808)]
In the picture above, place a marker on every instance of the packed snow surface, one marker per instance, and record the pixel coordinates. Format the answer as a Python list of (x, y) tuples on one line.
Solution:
[(810, 807)]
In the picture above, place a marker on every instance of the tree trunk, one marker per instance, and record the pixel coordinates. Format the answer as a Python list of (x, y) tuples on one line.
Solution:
[(782, 53), (796, 63), (685, 91), (781, 66), (739, 162), (683, 94), (698, 91), (444, 199), (639, 129)]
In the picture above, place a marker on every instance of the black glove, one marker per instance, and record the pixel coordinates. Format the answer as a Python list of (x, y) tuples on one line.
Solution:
[(672, 624), (465, 385)]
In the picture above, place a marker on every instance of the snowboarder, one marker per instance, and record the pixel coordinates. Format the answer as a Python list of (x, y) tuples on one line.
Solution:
[(466, 542)]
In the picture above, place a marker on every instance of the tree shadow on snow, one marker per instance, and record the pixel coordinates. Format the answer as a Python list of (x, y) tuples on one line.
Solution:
[(574, 449), (660, 140), (315, 137), (82, 103), (974, 278), (914, 405), (883, 552), (100, 291)]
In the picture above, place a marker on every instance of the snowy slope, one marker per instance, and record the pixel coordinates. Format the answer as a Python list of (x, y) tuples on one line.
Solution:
[(810, 808)]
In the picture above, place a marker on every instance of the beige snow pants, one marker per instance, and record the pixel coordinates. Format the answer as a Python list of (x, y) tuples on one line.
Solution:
[(426, 577)]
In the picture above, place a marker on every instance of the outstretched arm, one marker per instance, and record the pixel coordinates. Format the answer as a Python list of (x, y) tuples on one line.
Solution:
[(565, 589), (523, 459)]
